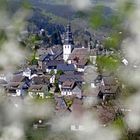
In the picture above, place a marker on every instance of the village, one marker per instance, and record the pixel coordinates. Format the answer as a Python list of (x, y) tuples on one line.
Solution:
[(69, 75)]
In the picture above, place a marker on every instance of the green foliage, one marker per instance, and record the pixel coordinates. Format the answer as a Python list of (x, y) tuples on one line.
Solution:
[(52, 72), (60, 72), (119, 123), (109, 63), (115, 21), (81, 14), (126, 8), (36, 134), (114, 41), (68, 102), (33, 60), (26, 4), (54, 18), (97, 19), (32, 42), (3, 37), (3, 5), (56, 86)]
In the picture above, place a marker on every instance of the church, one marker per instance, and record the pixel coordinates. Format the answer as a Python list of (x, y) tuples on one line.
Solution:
[(73, 55)]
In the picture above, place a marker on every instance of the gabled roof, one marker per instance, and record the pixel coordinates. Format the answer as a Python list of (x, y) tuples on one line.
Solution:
[(36, 87), (13, 85), (42, 51), (71, 77), (66, 67), (79, 56), (109, 81), (68, 84), (76, 89), (108, 89), (56, 51), (54, 63), (41, 79), (46, 57), (18, 78)]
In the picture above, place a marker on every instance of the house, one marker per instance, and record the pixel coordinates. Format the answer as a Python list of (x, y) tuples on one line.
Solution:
[(70, 88), (18, 78), (11, 88), (22, 89), (75, 77), (43, 79), (52, 79), (41, 51), (52, 53), (90, 97), (52, 65), (16, 88), (40, 91), (56, 51), (66, 67), (30, 73), (109, 88), (108, 92), (40, 79), (109, 81), (43, 58), (18, 85)]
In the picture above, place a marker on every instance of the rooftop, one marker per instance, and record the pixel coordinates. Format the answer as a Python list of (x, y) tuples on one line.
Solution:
[(68, 84), (36, 87), (72, 77), (66, 67), (79, 56), (109, 89)]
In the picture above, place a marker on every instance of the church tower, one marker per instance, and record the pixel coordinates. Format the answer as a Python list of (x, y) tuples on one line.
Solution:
[(68, 43)]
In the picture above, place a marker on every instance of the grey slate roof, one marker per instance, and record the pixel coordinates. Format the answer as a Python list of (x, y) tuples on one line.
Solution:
[(46, 57), (54, 63), (72, 77), (66, 67)]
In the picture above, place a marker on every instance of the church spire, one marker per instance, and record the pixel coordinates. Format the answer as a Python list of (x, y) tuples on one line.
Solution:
[(68, 43), (68, 35)]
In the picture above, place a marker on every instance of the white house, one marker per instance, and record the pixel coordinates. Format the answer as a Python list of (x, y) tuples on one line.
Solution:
[(69, 88)]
